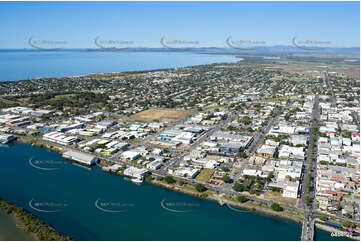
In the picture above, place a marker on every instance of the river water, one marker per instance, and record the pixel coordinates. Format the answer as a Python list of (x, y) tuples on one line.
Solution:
[(89, 204)]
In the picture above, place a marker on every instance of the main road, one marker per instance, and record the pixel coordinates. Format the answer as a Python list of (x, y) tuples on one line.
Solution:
[(310, 173)]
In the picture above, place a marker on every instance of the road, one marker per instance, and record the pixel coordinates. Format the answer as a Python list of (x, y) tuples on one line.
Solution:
[(333, 99), (310, 164), (200, 139)]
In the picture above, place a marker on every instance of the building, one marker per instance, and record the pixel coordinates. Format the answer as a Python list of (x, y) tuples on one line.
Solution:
[(64, 128), (185, 172), (291, 190), (60, 138), (299, 140), (130, 155), (154, 165), (232, 147), (81, 157), (105, 124), (266, 151), (134, 172)]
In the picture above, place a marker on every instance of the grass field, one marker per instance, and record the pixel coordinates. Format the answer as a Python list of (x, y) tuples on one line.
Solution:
[(204, 175), (161, 115), (277, 196)]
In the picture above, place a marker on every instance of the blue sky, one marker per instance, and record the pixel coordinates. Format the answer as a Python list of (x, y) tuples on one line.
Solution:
[(208, 23)]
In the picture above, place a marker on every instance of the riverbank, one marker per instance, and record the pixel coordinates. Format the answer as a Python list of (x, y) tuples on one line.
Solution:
[(335, 231), (250, 205), (11, 229), (37, 229), (190, 190), (232, 203)]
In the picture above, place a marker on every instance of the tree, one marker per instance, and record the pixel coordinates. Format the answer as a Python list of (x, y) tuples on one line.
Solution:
[(348, 224), (242, 199), (200, 188), (276, 207), (323, 217), (226, 179), (225, 169), (148, 178), (169, 179), (270, 176), (275, 155), (246, 120), (238, 187), (241, 154)]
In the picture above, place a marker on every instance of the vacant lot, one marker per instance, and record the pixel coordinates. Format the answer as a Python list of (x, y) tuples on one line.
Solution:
[(205, 175), (277, 196), (161, 115)]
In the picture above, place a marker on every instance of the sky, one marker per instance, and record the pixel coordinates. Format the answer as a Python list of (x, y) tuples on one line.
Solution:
[(78, 24)]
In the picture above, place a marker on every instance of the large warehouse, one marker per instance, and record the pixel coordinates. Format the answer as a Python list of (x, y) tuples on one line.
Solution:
[(81, 157)]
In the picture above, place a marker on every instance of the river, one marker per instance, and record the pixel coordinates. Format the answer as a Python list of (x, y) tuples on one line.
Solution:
[(89, 204)]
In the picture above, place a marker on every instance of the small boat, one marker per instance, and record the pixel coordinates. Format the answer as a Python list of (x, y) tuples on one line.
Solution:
[(136, 180), (5, 139)]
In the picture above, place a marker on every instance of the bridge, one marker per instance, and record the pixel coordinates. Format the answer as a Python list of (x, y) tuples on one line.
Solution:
[(308, 227)]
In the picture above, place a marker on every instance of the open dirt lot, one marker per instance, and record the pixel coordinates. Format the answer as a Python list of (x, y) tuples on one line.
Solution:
[(276, 196), (161, 115)]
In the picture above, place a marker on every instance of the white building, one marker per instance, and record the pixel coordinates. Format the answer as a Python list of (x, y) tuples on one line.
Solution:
[(130, 155), (81, 157)]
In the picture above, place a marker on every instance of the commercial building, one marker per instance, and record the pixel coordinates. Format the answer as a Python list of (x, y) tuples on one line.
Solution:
[(130, 155), (81, 157), (134, 172), (60, 138), (64, 128)]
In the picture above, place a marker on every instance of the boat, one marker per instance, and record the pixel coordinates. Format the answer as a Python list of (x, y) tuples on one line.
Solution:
[(136, 180), (6, 138)]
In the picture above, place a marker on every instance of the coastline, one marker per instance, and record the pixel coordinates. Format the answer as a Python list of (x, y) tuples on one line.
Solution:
[(36, 228), (11, 228), (235, 58)]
